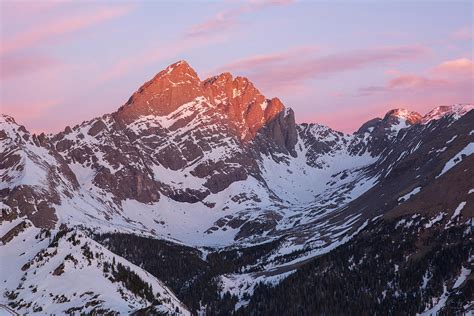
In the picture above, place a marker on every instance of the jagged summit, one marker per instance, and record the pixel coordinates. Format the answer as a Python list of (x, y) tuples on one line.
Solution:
[(181, 66), (178, 73), (170, 88), (242, 102), (178, 84)]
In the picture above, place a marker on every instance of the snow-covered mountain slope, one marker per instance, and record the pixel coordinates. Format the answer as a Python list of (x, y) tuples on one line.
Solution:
[(65, 272), (153, 170), (214, 164)]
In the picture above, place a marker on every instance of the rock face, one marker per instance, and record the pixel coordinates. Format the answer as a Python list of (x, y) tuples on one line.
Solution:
[(242, 102), (282, 129), (169, 89), (237, 98)]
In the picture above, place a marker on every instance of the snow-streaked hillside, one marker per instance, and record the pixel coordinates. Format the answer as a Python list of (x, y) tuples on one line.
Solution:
[(64, 271)]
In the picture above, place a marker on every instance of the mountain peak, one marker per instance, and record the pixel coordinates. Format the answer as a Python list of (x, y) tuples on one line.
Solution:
[(172, 87), (411, 117), (399, 118), (456, 109), (181, 62), (179, 84), (242, 102), (179, 68), (393, 121)]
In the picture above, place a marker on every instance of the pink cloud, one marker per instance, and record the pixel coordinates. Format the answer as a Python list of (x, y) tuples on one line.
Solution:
[(267, 60), (199, 35), (228, 18), (26, 111), (14, 66), (144, 58), (405, 82), (413, 81), (393, 72), (463, 34), (293, 68), (39, 35), (31, 7), (447, 74), (458, 66)]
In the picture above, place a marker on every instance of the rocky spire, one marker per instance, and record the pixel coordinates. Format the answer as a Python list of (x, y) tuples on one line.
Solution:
[(242, 102)]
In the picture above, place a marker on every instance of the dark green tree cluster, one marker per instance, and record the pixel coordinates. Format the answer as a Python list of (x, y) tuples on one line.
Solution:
[(132, 281), (194, 280)]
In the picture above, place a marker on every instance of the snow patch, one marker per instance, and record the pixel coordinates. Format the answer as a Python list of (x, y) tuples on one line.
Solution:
[(458, 209), (466, 151), (409, 194), (434, 220)]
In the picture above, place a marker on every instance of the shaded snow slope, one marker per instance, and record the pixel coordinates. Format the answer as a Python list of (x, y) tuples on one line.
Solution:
[(69, 272)]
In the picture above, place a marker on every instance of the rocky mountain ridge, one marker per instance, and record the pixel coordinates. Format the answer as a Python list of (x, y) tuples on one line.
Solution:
[(216, 166), (186, 141), (177, 85)]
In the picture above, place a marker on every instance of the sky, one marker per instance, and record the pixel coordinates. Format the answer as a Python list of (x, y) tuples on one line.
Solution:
[(337, 63)]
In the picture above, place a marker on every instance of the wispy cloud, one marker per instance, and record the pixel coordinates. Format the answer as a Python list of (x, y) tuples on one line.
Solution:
[(144, 58), (413, 81), (293, 67), (226, 19), (26, 111), (14, 66), (405, 82), (448, 74), (202, 34), (460, 66), (31, 9), (56, 28), (463, 34), (268, 60)]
